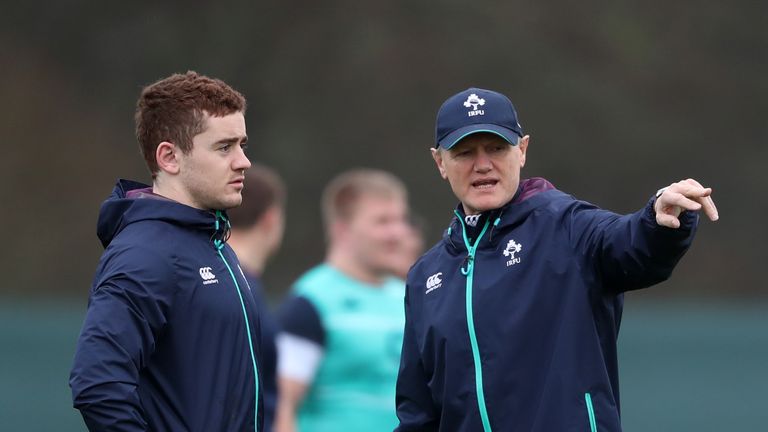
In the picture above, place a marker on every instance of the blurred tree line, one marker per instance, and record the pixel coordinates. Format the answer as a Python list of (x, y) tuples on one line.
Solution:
[(620, 98)]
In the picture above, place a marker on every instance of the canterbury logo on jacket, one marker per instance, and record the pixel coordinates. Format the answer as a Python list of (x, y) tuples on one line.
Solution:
[(521, 333)]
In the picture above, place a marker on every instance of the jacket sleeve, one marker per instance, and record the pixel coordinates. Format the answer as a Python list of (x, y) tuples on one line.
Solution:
[(126, 311), (413, 399), (631, 251)]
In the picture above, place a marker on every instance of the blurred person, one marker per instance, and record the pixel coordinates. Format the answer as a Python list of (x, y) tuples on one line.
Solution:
[(512, 318), (170, 338), (339, 346), (257, 233), (411, 248)]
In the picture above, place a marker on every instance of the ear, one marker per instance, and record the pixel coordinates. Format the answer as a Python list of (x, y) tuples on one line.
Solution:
[(272, 222), (523, 146), (270, 218), (437, 155), (167, 157), (337, 231)]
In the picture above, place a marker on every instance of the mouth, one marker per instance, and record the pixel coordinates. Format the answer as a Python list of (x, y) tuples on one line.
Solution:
[(238, 181), (484, 184)]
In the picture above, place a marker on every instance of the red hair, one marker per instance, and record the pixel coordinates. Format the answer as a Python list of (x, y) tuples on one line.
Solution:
[(174, 108)]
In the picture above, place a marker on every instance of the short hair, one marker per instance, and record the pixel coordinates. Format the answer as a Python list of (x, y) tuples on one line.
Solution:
[(173, 109), (346, 189), (263, 189)]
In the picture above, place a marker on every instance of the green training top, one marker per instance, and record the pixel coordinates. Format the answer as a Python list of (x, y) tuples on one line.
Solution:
[(354, 388)]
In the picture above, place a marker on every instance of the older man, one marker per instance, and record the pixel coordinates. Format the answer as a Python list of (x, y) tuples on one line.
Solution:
[(512, 319)]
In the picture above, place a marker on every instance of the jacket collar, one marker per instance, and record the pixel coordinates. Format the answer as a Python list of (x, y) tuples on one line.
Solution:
[(511, 213), (131, 201)]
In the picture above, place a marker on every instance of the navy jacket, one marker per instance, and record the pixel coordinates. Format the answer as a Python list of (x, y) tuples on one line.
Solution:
[(268, 349), (514, 327), (165, 345)]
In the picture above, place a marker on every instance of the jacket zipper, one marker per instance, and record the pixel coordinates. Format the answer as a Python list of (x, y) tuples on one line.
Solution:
[(469, 273), (590, 412), (219, 246)]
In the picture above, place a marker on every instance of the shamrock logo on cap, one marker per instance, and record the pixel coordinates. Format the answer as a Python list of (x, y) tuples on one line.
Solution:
[(474, 101)]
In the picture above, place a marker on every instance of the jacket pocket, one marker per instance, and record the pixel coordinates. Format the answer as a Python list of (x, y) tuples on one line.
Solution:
[(590, 412)]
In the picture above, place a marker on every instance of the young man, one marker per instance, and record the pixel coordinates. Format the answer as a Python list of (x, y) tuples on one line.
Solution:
[(342, 331), (512, 319), (170, 338), (257, 233)]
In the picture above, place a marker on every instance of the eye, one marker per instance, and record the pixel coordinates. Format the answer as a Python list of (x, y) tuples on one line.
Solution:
[(244, 146), (225, 148), (461, 153)]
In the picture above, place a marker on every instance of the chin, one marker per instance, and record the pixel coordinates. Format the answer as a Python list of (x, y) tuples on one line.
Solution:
[(226, 204), (234, 201), (485, 205)]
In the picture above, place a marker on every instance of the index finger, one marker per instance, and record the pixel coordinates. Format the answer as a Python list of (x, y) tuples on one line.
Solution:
[(708, 206)]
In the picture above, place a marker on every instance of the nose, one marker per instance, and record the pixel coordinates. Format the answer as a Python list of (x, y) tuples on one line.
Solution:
[(482, 161), (241, 162)]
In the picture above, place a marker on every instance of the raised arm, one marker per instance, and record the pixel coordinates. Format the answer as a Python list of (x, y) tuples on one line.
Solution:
[(640, 249)]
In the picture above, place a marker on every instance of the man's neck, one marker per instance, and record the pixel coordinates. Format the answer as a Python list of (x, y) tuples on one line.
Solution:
[(350, 267), (166, 188)]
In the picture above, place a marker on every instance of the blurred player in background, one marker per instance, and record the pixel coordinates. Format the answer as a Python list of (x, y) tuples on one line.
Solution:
[(257, 233), (411, 248), (341, 332), (512, 319), (170, 338)]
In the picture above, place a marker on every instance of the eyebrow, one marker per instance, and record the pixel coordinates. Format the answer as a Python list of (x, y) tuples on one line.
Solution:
[(233, 140)]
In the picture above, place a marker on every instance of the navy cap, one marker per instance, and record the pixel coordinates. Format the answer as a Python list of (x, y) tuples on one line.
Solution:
[(476, 110)]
